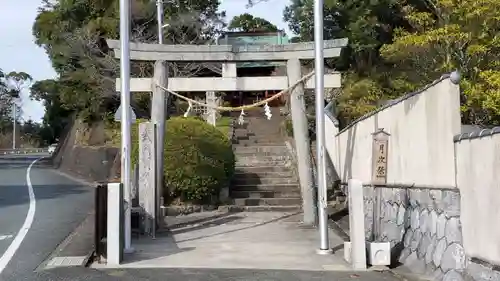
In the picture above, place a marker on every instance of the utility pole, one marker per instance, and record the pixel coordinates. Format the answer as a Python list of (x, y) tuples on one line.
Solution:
[(319, 67), (126, 123)]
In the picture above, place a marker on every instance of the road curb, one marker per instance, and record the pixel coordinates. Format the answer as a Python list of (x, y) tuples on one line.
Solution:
[(76, 250)]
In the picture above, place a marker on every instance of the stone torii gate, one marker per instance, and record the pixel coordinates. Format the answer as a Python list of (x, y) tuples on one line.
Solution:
[(228, 56)]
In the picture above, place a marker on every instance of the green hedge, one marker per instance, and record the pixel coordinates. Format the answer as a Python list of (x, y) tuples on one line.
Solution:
[(198, 159)]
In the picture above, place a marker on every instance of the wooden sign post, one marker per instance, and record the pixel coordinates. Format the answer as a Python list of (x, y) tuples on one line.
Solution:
[(379, 164), (380, 147)]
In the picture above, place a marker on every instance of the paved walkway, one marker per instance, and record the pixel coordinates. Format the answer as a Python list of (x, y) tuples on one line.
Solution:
[(267, 240)]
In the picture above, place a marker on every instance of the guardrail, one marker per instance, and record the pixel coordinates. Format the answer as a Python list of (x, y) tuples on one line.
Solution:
[(23, 151)]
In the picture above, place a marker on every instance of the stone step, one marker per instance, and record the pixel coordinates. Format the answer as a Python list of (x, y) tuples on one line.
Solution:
[(261, 137), (237, 180), (259, 160), (234, 208), (246, 153), (262, 162), (258, 142), (261, 170), (284, 187), (261, 150), (278, 187), (267, 201), (264, 194), (260, 130), (256, 132)]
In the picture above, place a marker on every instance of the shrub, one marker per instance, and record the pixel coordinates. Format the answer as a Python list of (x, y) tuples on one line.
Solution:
[(198, 159)]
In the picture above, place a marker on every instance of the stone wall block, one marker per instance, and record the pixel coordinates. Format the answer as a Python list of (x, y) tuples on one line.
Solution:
[(452, 275), (368, 193), (439, 251), (430, 269), (424, 245), (437, 275), (451, 203), (426, 200), (383, 210), (408, 217), (436, 196), (395, 195), (407, 238), (369, 219), (453, 231), (430, 250), (415, 240), (414, 199), (387, 194), (415, 264), (401, 215), (423, 220), (404, 255), (441, 226), (453, 258), (415, 219), (432, 222), (393, 213)]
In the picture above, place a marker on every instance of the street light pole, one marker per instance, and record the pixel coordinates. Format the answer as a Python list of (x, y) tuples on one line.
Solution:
[(126, 122), (319, 68), (159, 18), (14, 125)]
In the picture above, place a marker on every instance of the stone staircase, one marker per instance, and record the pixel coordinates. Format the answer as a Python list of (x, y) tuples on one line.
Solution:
[(264, 178)]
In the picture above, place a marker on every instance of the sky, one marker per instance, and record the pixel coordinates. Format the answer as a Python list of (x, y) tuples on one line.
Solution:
[(18, 51)]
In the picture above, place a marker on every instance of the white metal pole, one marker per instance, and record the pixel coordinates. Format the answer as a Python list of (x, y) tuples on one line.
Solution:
[(159, 15), (126, 117), (320, 127), (14, 116)]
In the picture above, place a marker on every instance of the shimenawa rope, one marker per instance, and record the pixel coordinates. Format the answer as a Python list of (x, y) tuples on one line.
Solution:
[(243, 107)]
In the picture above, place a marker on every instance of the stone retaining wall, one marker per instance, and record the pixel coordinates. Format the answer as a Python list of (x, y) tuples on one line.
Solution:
[(424, 229)]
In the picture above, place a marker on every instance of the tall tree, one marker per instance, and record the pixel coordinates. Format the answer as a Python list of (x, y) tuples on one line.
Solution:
[(11, 86), (368, 25), (73, 34), (248, 23), (56, 115), (447, 35)]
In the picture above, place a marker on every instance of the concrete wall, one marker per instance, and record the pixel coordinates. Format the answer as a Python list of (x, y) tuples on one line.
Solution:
[(421, 152), (440, 205), (478, 178)]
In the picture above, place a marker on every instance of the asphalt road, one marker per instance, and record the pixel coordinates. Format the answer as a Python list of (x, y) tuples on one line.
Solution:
[(186, 274), (32, 226)]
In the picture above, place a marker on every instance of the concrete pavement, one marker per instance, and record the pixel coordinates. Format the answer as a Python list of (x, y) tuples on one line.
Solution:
[(33, 225), (245, 240)]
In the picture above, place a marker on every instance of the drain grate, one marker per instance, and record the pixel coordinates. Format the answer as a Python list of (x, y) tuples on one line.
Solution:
[(66, 261)]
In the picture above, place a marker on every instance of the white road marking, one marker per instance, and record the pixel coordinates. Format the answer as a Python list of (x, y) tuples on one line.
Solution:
[(4, 237), (16, 243)]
